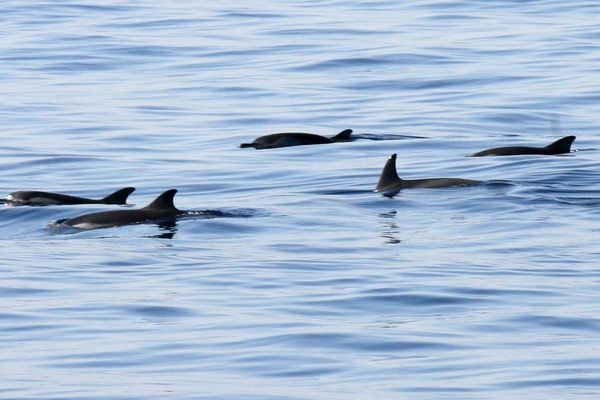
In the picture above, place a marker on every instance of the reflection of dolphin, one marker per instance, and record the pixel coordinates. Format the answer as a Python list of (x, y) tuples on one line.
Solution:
[(160, 210), (390, 183), (276, 140), (34, 198), (559, 147)]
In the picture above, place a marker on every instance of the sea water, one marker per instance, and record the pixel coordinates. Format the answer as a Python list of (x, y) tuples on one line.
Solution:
[(307, 285)]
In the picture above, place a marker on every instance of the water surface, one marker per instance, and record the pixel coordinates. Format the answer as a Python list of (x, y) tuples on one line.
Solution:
[(324, 289)]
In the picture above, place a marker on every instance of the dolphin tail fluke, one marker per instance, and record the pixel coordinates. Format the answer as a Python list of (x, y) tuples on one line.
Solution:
[(164, 201), (389, 175), (118, 197), (243, 145), (343, 136), (561, 145)]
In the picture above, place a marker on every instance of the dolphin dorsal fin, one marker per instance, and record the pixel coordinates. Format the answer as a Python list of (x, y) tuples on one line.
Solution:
[(389, 175), (342, 136), (118, 197), (561, 145), (164, 201)]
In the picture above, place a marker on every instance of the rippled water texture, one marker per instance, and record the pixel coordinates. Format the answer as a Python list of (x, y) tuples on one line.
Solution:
[(293, 280)]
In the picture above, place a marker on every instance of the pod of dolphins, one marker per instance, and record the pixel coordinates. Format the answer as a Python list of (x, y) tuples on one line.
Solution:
[(163, 208)]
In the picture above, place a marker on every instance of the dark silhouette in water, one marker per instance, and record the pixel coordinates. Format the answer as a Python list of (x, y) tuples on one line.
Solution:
[(36, 198), (277, 140), (160, 210), (561, 146), (390, 183)]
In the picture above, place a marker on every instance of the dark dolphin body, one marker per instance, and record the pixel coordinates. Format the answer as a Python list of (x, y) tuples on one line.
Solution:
[(161, 209), (35, 198), (390, 183), (561, 146), (276, 140)]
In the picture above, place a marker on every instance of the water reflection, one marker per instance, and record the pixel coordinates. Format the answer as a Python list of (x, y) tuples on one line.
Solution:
[(390, 229), (168, 229)]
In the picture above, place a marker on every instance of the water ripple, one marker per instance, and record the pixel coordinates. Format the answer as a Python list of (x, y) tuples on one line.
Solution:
[(288, 270)]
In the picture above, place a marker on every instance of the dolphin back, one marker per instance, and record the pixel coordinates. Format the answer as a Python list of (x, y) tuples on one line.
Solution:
[(118, 197), (561, 146)]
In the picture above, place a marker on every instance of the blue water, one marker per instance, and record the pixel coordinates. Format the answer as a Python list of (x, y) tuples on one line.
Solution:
[(324, 289)]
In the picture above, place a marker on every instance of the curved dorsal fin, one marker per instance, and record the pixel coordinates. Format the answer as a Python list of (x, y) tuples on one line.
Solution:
[(389, 175), (164, 201), (118, 197), (561, 145), (342, 136)]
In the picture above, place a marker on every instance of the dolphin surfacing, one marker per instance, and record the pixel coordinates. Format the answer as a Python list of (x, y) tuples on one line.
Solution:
[(561, 146), (36, 198), (160, 210), (390, 183), (277, 140)]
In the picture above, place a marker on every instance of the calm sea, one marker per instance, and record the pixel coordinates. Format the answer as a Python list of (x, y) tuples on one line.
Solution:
[(310, 286)]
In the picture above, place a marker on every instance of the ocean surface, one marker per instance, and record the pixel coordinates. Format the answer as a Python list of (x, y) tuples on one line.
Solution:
[(295, 281)]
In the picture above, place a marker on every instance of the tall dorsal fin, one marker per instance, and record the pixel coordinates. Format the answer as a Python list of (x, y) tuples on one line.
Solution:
[(389, 175), (164, 201), (118, 197), (342, 136), (561, 145)]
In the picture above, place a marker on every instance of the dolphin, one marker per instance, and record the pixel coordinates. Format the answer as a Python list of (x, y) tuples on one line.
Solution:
[(277, 140), (390, 183), (160, 210), (35, 198), (560, 146)]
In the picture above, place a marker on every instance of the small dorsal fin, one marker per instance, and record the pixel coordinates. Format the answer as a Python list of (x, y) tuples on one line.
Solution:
[(561, 145), (118, 197), (342, 136), (389, 175), (164, 201)]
